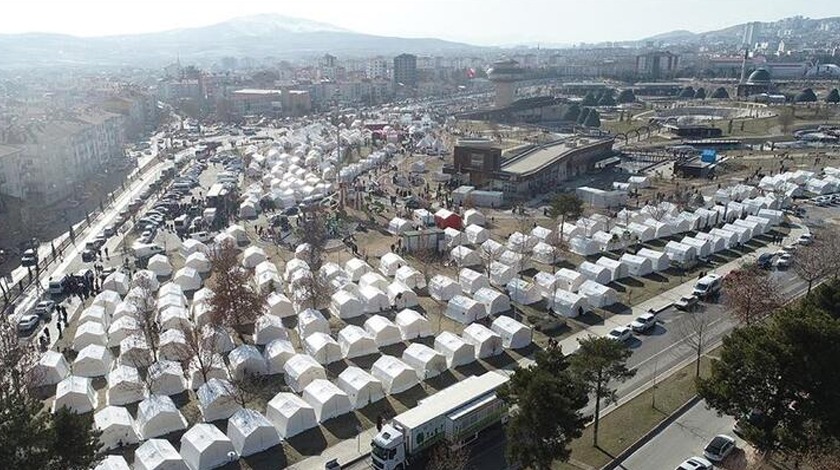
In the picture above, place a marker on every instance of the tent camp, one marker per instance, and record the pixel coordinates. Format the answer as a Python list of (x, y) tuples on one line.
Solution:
[(355, 268), (374, 300), (246, 360), (618, 270), (373, 280), (345, 305), (290, 414), (412, 325), (514, 335), (356, 342), (395, 375), (93, 361), (204, 447), (703, 248), (583, 246), (680, 254), (659, 261), (166, 378), (52, 368), (361, 387), (598, 295), (637, 265), (217, 400), (327, 400), (425, 361), (568, 304), (568, 279), (401, 296), (731, 238), (188, 279), (134, 351), (159, 264), (199, 262), (125, 386), (464, 310), (523, 292), (383, 330), (173, 317), (116, 426), (89, 333), (463, 256), (716, 242), (595, 272), (476, 235), (456, 351), (494, 302), (411, 277), (322, 347), (301, 370), (112, 462), (471, 281), (543, 253), (486, 342), (501, 274), (267, 328), (252, 256), (398, 226), (122, 328), (443, 288), (190, 246), (310, 321), (645, 233), (76, 394), (744, 233), (157, 415), (251, 433), (158, 454), (172, 346), (279, 305), (117, 282), (390, 263), (474, 217), (276, 353)]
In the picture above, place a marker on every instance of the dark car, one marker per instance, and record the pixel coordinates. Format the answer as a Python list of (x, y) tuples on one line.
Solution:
[(29, 258), (765, 261), (88, 256)]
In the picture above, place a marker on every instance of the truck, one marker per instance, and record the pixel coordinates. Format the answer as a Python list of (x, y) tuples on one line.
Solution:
[(455, 414)]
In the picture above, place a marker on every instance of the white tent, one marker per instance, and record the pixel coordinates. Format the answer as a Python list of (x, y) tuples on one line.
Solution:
[(731, 238), (290, 415), (543, 253), (93, 361), (395, 375), (637, 265), (411, 277), (423, 217), (463, 256), (238, 232), (568, 279), (247, 210), (159, 264), (494, 302), (322, 347), (425, 361), (252, 256), (659, 260), (383, 330), (523, 292), (167, 378), (679, 253), (544, 235), (268, 328), (217, 400), (190, 246), (218, 337), (568, 304), (702, 247), (513, 259), (389, 263), (327, 399), (117, 427), (213, 367), (457, 351), (246, 360), (464, 309), (354, 341), (251, 433), (501, 274), (108, 300), (361, 387), (744, 233), (116, 281), (157, 415), (474, 217), (374, 300), (89, 333), (519, 242), (173, 346), (546, 284), (76, 394), (453, 237), (355, 268), (199, 262), (301, 370), (398, 226), (124, 309), (52, 368), (95, 313), (598, 295), (122, 328), (224, 238), (645, 233), (717, 242), (112, 462), (292, 266), (491, 249), (583, 246), (486, 342), (204, 447), (279, 305), (476, 235), (401, 296), (310, 321), (158, 454), (660, 229), (188, 279), (125, 386), (514, 335), (595, 272), (302, 251), (442, 288), (134, 351), (617, 269), (412, 325), (173, 317), (471, 281), (276, 353), (373, 279)]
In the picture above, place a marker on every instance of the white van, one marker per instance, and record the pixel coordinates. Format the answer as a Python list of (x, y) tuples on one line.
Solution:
[(708, 286), (146, 250)]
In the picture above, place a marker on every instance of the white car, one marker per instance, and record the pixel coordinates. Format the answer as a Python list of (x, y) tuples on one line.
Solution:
[(719, 447), (696, 463), (203, 237), (620, 333), (783, 261), (805, 239), (643, 322)]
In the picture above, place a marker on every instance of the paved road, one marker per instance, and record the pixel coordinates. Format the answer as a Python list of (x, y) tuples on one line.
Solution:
[(684, 438)]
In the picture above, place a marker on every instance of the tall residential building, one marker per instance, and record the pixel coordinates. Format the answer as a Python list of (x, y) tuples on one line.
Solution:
[(657, 64), (377, 69), (405, 70)]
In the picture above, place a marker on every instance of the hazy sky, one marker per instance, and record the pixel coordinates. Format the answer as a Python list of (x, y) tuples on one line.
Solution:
[(485, 22)]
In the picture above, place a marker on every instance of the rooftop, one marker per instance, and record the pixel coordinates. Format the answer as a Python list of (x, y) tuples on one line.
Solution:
[(539, 157)]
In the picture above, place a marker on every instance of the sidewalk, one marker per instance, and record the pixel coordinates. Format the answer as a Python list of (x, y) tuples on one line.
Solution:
[(350, 451)]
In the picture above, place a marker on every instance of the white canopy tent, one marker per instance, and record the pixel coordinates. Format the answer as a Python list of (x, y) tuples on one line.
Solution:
[(411, 277), (159, 264), (76, 394), (501, 274), (716, 242), (246, 360), (276, 353), (355, 268), (598, 295), (456, 351), (172, 346), (583, 246), (327, 400), (617, 269), (167, 378), (395, 375), (389, 263), (121, 328), (425, 361), (442, 288), (188, 279), (217, 400), (401, 296), (474, 217), (113, 462), (471, 281), (204, 447), (703, 248), (96, 313), (486, 342), (731, 238), (301, 370), (464, 309), (290, 414), (476, 235), (595, 272), (190, 246), (361, 387), (514, 335), (412, 325), (374, 300), (356, 342), (568, 279), (345, 305), (383, 330), (52, 368), (463, 256), (398, 226), (323, 348), (543, 253), (679, 253), (157, 415), (310, 321), (659, 261), (158, 454), (637, 265), (268, 328), (117, 281), (279, 305), (89, 333), (238, 233), (117, 427), (373, 279), (523, 292), (125, 386), (93, 361), (251, 433), (569, 304), (134, 351), (494, 302), (199, 262)]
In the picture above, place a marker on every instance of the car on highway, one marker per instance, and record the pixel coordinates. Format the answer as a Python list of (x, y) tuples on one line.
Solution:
[(719, 447), (28, 324), (805, 239), (784, 261), (45, 309), (620, 333), (29, 258), (643, 322), (696, 463), (88, 256), (687, 303)]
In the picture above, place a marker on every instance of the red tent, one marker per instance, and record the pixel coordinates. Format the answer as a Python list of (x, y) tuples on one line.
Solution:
[(445, 218)]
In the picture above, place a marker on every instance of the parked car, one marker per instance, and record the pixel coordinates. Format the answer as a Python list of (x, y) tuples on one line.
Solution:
[(202, 236), (45, 309), (687, 303), (719, 447), (29, 258), (27, 324), (696, 463), (784, 261), (805, 239), (109, 231), (765, 261), (620, 333), (643, 322)]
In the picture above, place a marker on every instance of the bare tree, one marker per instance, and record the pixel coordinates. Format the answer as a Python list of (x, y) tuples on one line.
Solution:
[(814, 262), (695, 330), (751, 293), (143, 300), (202, 352), (18, 361), (488, 256), (235, 302), (428, 260)]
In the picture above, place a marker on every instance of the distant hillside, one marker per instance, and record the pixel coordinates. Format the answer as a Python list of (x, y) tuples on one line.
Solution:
[(256, 36)]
